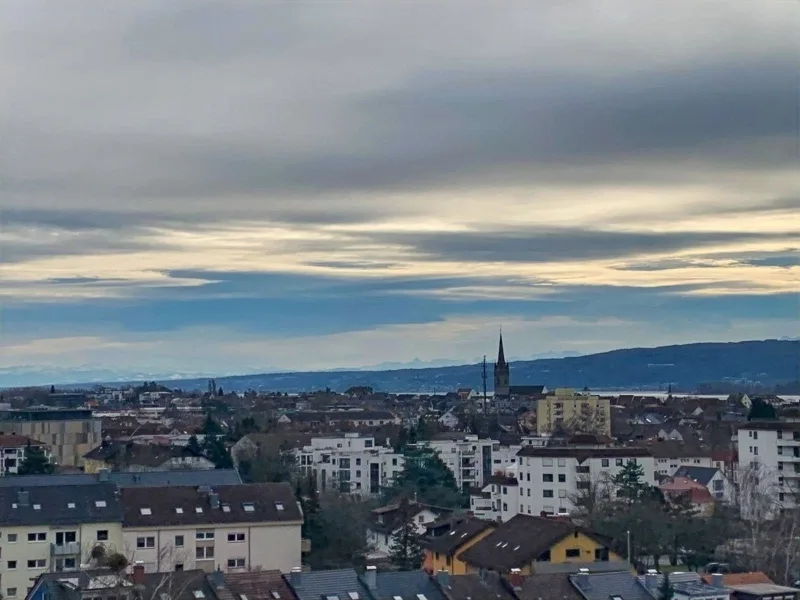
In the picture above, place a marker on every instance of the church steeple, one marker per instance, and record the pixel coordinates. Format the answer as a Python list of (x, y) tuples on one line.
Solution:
[(501, 355), (502, 373)]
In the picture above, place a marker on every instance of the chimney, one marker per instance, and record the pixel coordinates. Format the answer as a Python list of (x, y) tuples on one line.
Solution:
[(371, 577), (716, 580), (138, 573), (651, 579), (23, 498), (213, 500), (515, 578), (102, 475), (582, 579), (296, 576)]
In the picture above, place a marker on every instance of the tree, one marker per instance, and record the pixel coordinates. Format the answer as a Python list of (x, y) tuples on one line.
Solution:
[(628, 482), (426, 478), (214, 450), (210, 426), (665, 590), (338, 532), (269, 465), (193, 446), (52, 389), (761, 409), (36, 462), (405, 551)]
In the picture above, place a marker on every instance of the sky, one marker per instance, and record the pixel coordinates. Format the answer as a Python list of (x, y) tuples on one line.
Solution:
[(236, 186)]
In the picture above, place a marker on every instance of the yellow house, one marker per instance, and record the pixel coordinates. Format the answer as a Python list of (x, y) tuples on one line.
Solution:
[(533, 544), (441, 552), (583, 413)]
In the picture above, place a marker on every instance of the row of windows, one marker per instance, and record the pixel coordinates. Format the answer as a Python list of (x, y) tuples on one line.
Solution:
[(201, 535), (39, 563), (61, 537)]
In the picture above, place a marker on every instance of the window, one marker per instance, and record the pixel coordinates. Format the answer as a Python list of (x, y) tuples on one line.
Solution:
[(198, 594), (179, 566), (179, 541), (279, 506), (37, 537), (573, 552), (179, 510), (100, 503), (604, 462), (248, 507), (145, 511), (547, 477), (562, 478), (204, 552), (547, 493), (102, 535), (755, 435), (11, 592), (236, 563), (198, 510), (619, 462), (547, 462), (204, 534), (562, 462), (236, 537), (358, 462), (562, 493), (226, 508), (12, 564), (12, 539), (145, 542), (38, 563)]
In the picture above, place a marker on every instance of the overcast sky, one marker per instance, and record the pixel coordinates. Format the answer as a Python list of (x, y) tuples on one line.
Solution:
[(232, 186)]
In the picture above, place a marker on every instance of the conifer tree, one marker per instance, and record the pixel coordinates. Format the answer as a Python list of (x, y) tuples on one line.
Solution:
[(405, 551)]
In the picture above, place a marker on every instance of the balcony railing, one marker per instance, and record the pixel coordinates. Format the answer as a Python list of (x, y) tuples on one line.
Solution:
[(65, 549)]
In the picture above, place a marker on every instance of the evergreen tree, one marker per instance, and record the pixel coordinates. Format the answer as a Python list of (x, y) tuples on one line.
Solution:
[(629, 482), (210, 426), (405, 551), (35, 463), (665, 590), (214, 450), (193, 446), (426, 478), (761, 409), (52, 389)]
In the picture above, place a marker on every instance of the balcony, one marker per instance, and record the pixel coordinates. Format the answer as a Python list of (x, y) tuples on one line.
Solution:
[(65, 549)]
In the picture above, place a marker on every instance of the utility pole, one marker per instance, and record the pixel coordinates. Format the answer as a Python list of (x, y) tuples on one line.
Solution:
[(628, 535), (483, 376)]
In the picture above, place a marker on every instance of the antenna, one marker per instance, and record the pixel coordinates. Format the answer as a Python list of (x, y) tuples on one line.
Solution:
[(483, 376)]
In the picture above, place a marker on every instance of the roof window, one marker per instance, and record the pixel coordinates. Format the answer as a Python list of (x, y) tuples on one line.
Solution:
[(179, 510), (226, 508), (198, 594), (145, 510), (248, 507), (198, 509), (100, 503), (279, 506), (70, 505), (37, 507)]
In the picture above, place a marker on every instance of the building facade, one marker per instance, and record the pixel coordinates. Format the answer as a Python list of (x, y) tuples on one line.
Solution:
[(54, 528), (14, 449), (69, 433), (579, 412), (350, 463), (229, 528), (549, 477), (469, 457)]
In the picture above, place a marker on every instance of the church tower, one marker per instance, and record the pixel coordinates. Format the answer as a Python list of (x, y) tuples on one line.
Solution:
[(501, 372)]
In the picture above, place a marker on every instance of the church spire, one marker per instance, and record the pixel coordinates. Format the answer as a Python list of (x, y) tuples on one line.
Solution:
[(501, 355)]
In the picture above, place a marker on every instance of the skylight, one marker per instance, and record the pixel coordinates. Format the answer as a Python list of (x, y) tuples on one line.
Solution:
[(70, 505), (279, 506), (37, 507), (242, 597), (516, 548), (226, 508), (463, 535), (146, 510), (198, 594), (198, 509), (179, 510), (452, 533), (100, 503), (421, 597), (250, 507), (352, 595), (275, 594)]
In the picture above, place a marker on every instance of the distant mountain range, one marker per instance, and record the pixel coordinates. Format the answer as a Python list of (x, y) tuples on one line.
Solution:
[(685, 367)]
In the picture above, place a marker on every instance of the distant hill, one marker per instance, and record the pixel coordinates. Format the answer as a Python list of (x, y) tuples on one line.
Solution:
[(685, 366)]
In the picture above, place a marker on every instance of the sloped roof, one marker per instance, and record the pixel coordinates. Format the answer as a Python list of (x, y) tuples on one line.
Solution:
[(59, 505), (602, 586), (702, 475), (519, 541), (406, 585), (319, 584), (473, 587), (195, 477), (741, 578), (458, 536), (258, 585), (548, 586)]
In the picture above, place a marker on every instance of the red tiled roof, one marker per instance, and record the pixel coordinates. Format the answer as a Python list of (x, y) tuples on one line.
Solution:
[(15, 441), (742, 578)]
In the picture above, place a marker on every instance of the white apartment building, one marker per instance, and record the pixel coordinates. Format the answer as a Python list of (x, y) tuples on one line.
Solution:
[(469, 457), (350, 463), (671, 455), (231, 528), (14, 449), (54, 528), (550, 476), (769, 462), (498, 500)]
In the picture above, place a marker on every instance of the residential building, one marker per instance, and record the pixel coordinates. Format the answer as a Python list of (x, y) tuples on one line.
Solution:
[(538, 544), (770, 452), (344, 584), (712, 478), (54, 528), (550, 476), (258, 585), (603, 586), (580, 412), (14, 449), (677, 489), (69, 433), (385, 521), (473, 586), (467, 456), (671, 455), (123, 479), (498, 500), (338, 418), (400, 584), (551, 586), (685, 586), (350, 463), (232, 528), (128, 456), (441, 552)]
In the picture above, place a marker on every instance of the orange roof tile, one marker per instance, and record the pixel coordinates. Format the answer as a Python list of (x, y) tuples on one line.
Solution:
[(742, 578)]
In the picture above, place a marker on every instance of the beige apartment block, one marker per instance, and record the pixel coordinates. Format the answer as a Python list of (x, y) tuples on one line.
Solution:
[(70, 433), (232, 528), (54, 528), (579, 412)]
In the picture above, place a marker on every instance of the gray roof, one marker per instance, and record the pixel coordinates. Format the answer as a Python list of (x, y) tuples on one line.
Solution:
[(406, 585), (320, 584), (574, 567), (124, 479), (701, 475), (59, 505), (602, 586)]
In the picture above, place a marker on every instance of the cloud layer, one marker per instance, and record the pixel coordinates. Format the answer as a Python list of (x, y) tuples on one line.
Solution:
[(334, 176)]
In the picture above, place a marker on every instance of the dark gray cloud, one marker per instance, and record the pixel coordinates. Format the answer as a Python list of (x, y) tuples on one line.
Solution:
[(554, 245)]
